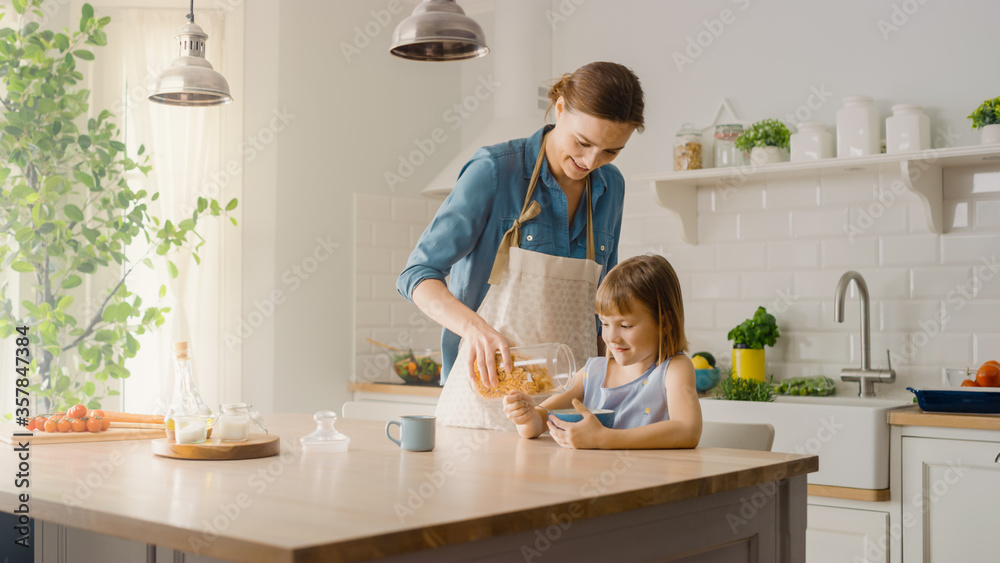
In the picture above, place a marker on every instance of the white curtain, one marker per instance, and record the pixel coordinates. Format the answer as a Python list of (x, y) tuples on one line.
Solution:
[(187, 152)]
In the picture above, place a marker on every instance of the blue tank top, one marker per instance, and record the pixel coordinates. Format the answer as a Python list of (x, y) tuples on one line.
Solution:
[(637, 403)]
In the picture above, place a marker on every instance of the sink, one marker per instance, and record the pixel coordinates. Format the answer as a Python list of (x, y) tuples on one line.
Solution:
[(849, 434)]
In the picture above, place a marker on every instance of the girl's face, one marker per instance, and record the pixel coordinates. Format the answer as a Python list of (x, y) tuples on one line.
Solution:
[(632, 338), (581, 143)]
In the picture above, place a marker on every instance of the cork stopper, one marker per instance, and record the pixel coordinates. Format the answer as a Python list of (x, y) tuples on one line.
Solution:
[(181, 350)]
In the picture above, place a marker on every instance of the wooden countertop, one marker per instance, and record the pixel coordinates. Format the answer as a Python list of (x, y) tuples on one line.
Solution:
[(395, 388), (371, 501), (913, 416)]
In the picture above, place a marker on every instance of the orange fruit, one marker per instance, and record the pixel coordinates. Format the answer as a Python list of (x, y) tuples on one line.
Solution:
[(969, 383), (988, 375)]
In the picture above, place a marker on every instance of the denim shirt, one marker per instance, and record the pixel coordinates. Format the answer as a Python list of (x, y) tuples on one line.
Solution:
[(461, 241)]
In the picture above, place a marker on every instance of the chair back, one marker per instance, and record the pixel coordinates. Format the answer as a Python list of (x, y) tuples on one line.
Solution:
[(384, 410), (737, 435)]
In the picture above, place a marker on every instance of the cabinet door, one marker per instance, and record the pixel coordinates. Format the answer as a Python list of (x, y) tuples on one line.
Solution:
[(836, 535), (951, 491)]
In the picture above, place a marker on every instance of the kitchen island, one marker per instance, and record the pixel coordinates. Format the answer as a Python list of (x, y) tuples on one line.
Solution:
[(479, 494)]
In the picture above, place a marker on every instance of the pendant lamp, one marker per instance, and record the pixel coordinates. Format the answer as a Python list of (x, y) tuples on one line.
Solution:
[(438, 30), (190, 80)]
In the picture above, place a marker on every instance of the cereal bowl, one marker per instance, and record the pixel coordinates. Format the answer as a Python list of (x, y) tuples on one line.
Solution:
[(607, 417)]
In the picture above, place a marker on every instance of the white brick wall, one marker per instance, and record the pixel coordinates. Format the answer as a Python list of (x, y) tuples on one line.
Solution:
[(784, 245), (386, 229)]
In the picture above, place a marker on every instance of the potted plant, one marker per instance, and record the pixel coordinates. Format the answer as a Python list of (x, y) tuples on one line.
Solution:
[(67, 215), (767, 141), (749, 339), (987, 118)]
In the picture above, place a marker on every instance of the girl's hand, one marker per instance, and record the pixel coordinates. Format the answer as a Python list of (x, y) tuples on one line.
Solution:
[(483, 345), (584, 435), (519, 408)]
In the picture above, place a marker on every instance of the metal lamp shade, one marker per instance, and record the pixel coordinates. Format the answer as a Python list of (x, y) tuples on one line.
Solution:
[(438, 30), (190, 80)]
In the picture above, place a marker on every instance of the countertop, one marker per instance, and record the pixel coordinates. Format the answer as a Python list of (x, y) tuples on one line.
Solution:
[(371, 501), (395, 388), (913, 416)]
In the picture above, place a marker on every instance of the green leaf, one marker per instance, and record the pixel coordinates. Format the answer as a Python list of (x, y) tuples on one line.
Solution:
[(29, 29), (22, 266), (163, 291), (231, 205), (110, 313), (233, 220), (65, 302), (172, 268), (85, 142), (117, 145), (72, 212), (47, 228), (87, 12), (87, 267), (71, 282), (89, 388)]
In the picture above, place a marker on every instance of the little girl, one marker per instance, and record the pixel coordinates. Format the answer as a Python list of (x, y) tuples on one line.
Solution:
[(645, 377)]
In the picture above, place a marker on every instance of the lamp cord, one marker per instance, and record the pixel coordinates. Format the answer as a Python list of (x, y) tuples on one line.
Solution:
[(190, 16)]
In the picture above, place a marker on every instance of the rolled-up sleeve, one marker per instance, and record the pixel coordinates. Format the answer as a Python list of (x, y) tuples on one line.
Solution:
[(456, 228)]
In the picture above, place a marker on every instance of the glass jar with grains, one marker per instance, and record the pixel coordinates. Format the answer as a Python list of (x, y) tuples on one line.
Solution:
[(687, 148)]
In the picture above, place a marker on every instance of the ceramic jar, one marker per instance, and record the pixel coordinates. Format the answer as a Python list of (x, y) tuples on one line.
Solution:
[(857, 128), (907, 130), (990, 134), (767, 155), (811, 142)]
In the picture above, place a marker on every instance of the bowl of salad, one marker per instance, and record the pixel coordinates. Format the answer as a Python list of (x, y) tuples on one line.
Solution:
[(417, 371)]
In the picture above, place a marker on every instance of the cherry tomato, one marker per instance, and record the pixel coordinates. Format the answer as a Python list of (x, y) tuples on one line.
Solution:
[(969, 383), (105, 423), (93, 425), (96, 412), (50, 425), (79, 425), (988, 375), (77, 411), (64, 425), (40, 423), (30, 425), (60, 414)]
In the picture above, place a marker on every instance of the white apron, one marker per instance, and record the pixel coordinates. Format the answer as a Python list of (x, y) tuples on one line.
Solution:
[(533, 298)]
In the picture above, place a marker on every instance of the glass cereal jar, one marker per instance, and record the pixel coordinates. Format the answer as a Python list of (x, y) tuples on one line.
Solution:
[(688, 148)]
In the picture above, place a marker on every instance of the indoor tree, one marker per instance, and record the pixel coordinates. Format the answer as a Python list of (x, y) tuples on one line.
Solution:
[(67, 214)]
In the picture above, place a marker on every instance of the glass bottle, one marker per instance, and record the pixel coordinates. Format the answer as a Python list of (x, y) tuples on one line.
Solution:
[(186, 400), (687, 148), (726, 153)]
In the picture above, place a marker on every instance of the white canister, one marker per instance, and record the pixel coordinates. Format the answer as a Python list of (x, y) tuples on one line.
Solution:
[(857, 128), (907, 130), (811, 142)]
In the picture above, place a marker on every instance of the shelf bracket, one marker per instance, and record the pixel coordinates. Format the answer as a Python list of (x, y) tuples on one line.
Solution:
[(681, 199), (925, 179)]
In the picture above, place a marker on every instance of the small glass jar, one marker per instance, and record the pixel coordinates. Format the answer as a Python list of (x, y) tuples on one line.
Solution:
[(726, 154), (190, 428), (233, 422), (907, 130), (688, 148)]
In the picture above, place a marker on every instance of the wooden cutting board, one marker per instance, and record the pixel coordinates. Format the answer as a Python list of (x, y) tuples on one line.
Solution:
[(8, 429), (257, 445)]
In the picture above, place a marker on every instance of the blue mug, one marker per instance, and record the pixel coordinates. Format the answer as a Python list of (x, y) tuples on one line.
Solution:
[(416, 433)]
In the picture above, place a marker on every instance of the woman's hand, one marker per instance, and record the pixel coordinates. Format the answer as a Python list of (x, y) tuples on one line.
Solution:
[(587, 434), (484, 341)]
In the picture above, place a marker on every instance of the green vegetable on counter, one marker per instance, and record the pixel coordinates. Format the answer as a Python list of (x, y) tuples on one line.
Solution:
[(741, 389), (818, 385)]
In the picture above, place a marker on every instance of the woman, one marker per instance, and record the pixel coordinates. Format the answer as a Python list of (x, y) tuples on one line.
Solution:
[(526, 236)]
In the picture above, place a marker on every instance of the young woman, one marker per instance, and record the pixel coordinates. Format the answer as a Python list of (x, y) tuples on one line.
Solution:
[(645, 378), (525, 236)]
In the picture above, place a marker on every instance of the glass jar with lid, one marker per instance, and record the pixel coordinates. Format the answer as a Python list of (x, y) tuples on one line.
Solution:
[(688, 148), (233, 422), (726, 154), (538, 370)]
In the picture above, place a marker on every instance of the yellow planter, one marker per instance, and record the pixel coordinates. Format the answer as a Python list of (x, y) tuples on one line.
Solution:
[(748, 364)]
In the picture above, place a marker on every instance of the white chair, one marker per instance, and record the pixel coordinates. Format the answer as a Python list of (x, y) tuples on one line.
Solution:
[(384, 410), (736, 435)]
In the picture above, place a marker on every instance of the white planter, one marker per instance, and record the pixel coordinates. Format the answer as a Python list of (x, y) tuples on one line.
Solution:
[(768, 155), (811, 142), (857, 128), (907, 130), (990, 134)]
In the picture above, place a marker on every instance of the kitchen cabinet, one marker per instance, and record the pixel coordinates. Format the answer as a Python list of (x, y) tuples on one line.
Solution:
[(836, 534), (920, 173), (56, 543), (950, 495)]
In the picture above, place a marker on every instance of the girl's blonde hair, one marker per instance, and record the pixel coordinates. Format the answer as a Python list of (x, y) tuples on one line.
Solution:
[(648, 281), (605, 90)]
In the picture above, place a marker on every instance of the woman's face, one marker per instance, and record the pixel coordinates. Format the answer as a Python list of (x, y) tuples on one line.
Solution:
[(581, 143)]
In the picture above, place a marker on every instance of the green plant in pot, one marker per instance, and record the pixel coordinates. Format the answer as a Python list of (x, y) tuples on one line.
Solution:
[(749, 339), (68, 216), (766, 140), (986, 117)]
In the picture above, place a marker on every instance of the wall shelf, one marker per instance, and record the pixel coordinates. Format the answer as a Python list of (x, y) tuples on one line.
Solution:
[(920, 172)]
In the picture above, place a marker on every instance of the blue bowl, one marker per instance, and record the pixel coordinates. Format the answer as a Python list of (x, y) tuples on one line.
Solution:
[(706, 379), (607, 417)]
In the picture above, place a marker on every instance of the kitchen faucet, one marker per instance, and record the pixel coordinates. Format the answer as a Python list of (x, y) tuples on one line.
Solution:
[(866, 376)]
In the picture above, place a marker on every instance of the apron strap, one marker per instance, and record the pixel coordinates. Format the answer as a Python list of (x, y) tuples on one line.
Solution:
[(530, 210)]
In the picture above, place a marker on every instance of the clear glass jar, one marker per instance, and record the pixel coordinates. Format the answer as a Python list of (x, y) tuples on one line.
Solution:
[(726, 154), (688, 148), (190, 428), (539, 369), (233, 422)]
